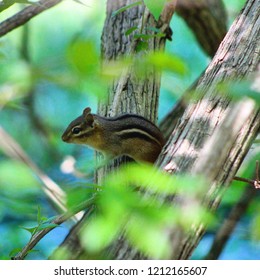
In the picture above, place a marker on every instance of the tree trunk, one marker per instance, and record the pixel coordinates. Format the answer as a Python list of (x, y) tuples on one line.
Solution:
[(129, 93)]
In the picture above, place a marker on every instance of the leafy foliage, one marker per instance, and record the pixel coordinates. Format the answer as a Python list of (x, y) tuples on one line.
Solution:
[(42, 223), (144, 219)]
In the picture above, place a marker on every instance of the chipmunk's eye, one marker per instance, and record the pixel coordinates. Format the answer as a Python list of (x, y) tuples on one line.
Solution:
[(76, 130)]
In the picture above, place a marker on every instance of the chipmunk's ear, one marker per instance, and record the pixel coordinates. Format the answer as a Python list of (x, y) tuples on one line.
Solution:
[(86, 111), (88, 117)]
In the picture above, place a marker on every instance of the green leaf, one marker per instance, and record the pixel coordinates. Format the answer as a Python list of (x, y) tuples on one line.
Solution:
[(14, 252), (61, 253), (45, 226), (78, 195), (113, 69), (84, 57), (153, 179), (168, 62), (149, 238), (49, 220), (131, 30), (161, 62), (26, 182), (99, 233), (124, 8), (30, 229), (155, 7), (142, 46)]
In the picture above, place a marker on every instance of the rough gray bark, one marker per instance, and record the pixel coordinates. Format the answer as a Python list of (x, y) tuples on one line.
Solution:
[(130, 93), (208, 21), (214, 134)]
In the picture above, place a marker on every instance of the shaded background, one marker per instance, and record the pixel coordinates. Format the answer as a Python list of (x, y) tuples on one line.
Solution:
[(41, 92)]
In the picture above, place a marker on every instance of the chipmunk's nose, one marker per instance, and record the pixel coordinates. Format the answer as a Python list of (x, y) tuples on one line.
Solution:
[(64, 137)]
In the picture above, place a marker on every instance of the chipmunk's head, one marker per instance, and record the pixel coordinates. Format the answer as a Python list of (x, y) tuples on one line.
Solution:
[(81, 130)]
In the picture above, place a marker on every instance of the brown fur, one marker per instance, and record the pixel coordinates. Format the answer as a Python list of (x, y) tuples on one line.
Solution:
[(128, 134)]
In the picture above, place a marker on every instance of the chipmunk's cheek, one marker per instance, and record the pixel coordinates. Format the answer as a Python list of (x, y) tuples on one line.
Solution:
[(67, 138), (76, 141)]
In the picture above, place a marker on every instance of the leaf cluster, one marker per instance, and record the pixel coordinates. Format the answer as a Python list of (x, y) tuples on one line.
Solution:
[(143, 218)]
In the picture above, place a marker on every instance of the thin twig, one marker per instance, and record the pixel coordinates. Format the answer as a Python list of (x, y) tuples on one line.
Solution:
[(255, 183), (58, 220), (25, 15), (241, 179)]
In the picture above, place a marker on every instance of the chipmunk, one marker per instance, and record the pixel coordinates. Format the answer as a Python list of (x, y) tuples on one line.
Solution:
[(127, 134)]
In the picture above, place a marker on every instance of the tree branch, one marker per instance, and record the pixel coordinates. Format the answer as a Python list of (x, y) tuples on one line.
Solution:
[(207, 19), (256, 182), (25, 15), (58, 220), (249, 181)]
